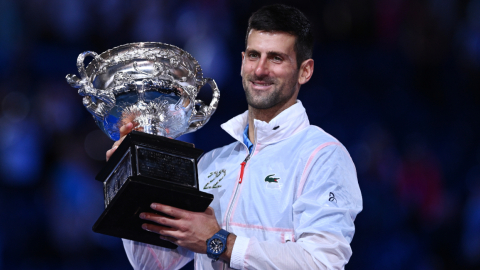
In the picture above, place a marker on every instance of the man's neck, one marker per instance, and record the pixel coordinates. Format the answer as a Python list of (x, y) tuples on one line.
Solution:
[(265, 115)]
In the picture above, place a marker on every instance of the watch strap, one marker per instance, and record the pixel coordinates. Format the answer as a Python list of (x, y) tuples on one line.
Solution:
[(223, 233)]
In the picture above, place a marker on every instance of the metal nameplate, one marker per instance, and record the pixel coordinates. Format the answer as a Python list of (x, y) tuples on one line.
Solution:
[(166, 166)]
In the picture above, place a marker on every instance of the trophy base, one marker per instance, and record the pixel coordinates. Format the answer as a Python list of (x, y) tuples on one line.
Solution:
[(121, 217), (146, 169)]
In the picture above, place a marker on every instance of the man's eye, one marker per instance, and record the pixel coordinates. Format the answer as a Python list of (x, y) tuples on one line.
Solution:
[(277, 59), (252, 55)]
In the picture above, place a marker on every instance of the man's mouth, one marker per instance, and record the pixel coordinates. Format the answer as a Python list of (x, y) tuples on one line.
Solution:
[(261, 84)]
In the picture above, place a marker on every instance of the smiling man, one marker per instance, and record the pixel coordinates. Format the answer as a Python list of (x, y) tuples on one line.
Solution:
[(286, 192), (271, 76)]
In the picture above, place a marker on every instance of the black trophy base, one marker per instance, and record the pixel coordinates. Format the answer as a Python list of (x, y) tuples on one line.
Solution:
[(146, 169), (121, 217)]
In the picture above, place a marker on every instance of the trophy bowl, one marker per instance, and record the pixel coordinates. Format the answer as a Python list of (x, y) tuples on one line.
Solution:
[(153, 85)]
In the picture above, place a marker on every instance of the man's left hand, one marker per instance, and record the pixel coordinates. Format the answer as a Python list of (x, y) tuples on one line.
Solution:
[(186, 229)]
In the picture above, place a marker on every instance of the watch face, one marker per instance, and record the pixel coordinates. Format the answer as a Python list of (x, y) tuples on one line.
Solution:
[(216, 246)]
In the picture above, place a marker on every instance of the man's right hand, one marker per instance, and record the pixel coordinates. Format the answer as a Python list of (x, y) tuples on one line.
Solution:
[(124, 130)]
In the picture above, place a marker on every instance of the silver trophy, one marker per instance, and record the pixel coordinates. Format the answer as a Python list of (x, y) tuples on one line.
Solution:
[(154, 86)]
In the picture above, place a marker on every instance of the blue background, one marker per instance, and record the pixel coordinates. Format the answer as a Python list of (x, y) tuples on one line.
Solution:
[(397, 82)]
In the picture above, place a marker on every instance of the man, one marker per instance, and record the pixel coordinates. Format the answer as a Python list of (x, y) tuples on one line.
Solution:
[(286, 192)]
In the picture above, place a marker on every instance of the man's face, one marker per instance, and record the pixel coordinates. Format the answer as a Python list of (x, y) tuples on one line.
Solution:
[(269, 69)]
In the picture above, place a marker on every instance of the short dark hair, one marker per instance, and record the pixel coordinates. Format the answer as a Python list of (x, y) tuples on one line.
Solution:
[(279, 17)]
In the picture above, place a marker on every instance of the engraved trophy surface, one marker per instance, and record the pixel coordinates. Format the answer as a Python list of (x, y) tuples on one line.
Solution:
[(153, 85)]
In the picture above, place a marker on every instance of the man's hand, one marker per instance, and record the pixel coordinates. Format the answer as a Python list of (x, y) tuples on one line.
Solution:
[(186, 229), (124, 130)]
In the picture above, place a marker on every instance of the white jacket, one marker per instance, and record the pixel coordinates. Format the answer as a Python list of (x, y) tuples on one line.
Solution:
[(294, 207)]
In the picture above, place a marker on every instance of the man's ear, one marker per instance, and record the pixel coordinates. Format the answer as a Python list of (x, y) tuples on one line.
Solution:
[(243, 58), (305, 71)]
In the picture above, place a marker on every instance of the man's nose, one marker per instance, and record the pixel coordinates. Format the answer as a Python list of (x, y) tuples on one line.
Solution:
[(262, 68)]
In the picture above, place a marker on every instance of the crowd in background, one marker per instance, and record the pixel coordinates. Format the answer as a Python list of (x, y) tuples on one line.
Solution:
[(396, 81)]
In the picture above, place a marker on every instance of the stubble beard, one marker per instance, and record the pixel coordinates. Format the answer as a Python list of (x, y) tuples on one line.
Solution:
[(267, 100)]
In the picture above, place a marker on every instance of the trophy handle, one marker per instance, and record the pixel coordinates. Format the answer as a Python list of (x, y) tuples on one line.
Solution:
[(105, 100), (210, 109), (72, 79), (204, 113), (81, 65)]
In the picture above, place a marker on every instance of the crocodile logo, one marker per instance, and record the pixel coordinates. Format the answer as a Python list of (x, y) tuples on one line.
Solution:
[(271, 179)]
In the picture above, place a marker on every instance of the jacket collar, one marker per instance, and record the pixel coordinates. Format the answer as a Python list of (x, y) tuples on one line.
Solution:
[(290, 121)]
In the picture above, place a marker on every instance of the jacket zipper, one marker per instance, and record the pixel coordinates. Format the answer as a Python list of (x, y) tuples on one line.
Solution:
[(243, 164), (242, 170)]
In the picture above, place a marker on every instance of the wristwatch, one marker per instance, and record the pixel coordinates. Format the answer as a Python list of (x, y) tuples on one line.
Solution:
[(217, 245)]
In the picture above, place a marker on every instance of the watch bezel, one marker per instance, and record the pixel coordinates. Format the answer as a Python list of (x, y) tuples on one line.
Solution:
[(220, 239), (216, 241)]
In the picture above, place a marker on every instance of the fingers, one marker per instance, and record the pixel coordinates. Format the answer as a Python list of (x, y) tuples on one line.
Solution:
[(172, 222), (114, 147), (169, 238), (169, 210), (167, 228), (210, 211), (165, 233), (158, 229), (181, 227), (124, 130), (159, 219), (117, 143), (110, 152)]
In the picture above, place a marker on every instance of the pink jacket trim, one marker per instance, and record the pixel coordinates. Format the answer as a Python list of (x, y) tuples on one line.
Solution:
[(258, 227), (156, 258), (303, 180)]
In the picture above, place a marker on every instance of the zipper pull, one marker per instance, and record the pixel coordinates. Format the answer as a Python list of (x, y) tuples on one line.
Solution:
[(243, 168), (241, 172)]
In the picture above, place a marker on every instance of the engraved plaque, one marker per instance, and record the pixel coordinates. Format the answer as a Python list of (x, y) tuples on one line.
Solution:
[(172, 168)]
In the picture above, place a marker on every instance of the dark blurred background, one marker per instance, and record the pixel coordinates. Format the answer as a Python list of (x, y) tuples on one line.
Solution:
[(397, 82)]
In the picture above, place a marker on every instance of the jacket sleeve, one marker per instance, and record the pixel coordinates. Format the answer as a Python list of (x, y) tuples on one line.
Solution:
[(326, 203), (144, 256)]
